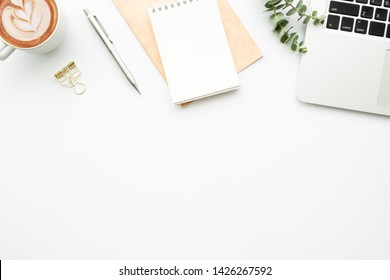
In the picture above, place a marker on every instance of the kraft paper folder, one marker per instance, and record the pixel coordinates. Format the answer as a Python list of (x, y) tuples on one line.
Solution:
[(243, 47)]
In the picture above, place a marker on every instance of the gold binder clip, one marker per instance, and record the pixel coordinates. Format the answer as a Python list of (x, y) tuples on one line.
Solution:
[(68, 77)]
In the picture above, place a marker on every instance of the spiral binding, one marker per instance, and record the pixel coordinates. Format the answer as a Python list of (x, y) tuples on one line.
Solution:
[(172, 5)]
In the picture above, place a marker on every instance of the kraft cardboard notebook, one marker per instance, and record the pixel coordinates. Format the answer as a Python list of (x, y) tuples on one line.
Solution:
[(244, 49)]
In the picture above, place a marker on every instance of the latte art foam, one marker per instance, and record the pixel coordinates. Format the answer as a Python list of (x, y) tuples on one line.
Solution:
[(27, 23)]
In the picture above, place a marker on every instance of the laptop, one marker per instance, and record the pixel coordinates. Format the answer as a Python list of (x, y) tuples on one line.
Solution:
[(348, 61)]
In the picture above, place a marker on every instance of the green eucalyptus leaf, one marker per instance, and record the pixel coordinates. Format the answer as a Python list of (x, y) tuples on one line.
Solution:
[(291, 12), (276, 28), (300, 4), (274, 2), (302, 10), (276, 17), (303, 50), (283, 23), (293, 35), (282, 31), (294, 47), (322, 19), (278, 7), (307, 20), (276, 20), (285, 38)]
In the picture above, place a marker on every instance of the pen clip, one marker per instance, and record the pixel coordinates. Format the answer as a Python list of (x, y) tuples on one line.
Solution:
[(102, 27)]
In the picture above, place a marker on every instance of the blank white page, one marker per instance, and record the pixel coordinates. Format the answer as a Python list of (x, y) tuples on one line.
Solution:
[(194, 49)]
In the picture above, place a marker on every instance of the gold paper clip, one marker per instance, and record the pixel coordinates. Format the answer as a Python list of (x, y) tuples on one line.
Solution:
[(68, 77)]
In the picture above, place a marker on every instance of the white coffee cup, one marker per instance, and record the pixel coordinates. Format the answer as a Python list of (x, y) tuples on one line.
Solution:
[(54, 40)]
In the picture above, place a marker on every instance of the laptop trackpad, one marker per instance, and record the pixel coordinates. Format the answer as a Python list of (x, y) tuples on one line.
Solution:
[(384, 95)]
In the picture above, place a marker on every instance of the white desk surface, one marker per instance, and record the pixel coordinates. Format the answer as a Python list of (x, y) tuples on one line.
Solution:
[(251, 174)]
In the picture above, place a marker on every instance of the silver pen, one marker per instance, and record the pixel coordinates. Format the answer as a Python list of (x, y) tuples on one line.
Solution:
[(110, 46)]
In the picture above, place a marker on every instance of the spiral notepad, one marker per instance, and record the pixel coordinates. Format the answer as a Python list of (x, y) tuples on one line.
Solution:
[(194, 49)]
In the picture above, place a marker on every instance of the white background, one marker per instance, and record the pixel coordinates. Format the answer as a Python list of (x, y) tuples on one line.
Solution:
[(250, 174)]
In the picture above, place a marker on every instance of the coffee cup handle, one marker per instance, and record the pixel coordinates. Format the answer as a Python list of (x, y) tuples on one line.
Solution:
[(5, 50)]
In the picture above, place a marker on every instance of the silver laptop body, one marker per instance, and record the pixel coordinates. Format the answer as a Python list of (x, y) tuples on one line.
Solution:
[(348, 60)]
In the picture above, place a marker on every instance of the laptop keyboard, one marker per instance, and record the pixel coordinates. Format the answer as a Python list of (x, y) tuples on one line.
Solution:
[(370, 17)]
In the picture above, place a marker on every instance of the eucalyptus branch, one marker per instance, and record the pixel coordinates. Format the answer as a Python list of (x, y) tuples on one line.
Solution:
[(282, 24)]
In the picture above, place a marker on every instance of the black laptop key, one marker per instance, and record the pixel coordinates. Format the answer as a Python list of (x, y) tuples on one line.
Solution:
[(367, 12), (387, 3), (361, 26), (333, 22), (377, 29), (376, 2), (381, 14), (344, 8), (388, 31), (362, 1), (347, 24)]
